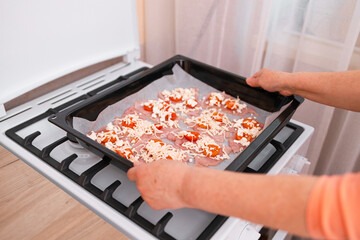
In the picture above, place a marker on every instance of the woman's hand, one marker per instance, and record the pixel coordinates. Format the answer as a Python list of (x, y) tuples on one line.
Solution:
[(271, 80), (160, 183)]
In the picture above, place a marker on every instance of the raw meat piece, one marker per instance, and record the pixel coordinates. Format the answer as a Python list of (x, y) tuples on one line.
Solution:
[(209, 161), (245, 131), (214, 123), (139, 108), (221, 101), (235, 147), (154, 149), (195, 112)]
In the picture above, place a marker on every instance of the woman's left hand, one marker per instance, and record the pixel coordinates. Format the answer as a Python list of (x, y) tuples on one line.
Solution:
[(160, 183)]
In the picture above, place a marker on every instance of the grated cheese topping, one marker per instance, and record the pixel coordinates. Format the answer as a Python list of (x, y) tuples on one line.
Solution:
[(203, 144), (158, 150), (191, 102), (163, 111), (212, 127), (92, 135), (185, 93), (140, 128), (118, 145), (216, 99), (100, 137), (183, 109), (237, 107), (243, 141), (253, 131)]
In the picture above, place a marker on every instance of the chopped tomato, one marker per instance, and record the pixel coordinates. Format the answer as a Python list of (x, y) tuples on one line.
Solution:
[(203, 125), (213, 97), (109, 139), (250, 123), (110, 136), (190, 103), (192, 136), (125, 153), (166, 106), (158, 141), (129, 124), (243, 135), (158, 126), (231, 104), (212, 150), (217, 116), (175, 98), (169, 157), (172, 116), (148, 107)]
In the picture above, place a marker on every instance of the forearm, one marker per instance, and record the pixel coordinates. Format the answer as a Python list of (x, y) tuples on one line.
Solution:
[(274, 201), (338, 89)]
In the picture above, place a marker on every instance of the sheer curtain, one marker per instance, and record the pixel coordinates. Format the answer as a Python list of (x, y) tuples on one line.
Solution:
[(319, 36), (219, 32), (243, 36)]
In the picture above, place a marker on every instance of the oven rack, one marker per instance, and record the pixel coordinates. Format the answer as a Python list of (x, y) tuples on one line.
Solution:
[(84, 179)]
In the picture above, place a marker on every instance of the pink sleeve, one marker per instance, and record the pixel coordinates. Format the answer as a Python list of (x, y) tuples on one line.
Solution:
[(333, 210)]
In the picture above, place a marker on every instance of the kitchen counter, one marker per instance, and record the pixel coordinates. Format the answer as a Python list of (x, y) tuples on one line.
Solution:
[(32, 207)]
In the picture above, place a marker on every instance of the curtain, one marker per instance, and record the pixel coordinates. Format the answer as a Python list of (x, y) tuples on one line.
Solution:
[(319, 36), (244, 36)]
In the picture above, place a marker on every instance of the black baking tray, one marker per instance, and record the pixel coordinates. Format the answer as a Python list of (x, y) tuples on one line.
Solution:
[(232, 84)]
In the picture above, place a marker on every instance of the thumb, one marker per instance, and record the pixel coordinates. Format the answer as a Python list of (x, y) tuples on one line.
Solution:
[(253, 81), (131, 174)]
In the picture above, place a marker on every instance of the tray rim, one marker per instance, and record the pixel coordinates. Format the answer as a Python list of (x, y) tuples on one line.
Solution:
[(60, 119)]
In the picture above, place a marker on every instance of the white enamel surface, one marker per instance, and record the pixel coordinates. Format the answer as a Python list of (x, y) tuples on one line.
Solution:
[(49, 39)]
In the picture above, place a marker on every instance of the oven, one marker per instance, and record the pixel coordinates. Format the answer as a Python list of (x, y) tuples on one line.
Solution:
[(103, 187)]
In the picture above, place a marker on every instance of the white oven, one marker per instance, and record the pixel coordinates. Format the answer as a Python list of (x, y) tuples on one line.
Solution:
[(94, 181)]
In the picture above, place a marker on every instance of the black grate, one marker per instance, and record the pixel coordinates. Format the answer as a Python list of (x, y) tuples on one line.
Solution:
[(84, 179)]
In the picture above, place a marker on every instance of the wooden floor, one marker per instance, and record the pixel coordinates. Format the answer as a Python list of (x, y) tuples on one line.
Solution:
[(31, 207)]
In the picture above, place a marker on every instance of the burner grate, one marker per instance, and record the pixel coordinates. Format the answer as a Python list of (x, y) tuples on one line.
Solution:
[(106, 195), (84, 179)]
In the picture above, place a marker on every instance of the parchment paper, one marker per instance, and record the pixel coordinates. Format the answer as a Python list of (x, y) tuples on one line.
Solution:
[(179, 79)]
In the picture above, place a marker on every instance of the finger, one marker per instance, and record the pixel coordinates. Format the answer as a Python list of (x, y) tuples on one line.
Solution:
[(132, 174), (285, 92)]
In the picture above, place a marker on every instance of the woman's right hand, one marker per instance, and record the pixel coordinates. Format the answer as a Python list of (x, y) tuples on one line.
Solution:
[(271, 80)]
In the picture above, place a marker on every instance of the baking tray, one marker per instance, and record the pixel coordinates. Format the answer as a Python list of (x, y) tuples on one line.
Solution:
[(232, 84)]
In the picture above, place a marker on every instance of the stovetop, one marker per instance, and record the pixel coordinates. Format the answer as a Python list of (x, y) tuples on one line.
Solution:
[(107, 183)]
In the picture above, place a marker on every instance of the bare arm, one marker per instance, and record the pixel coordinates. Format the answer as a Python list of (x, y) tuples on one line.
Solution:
[(338, 89), (274, 201)]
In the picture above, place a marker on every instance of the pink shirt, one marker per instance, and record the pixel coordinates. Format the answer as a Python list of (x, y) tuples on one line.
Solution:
[(333, 210)]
